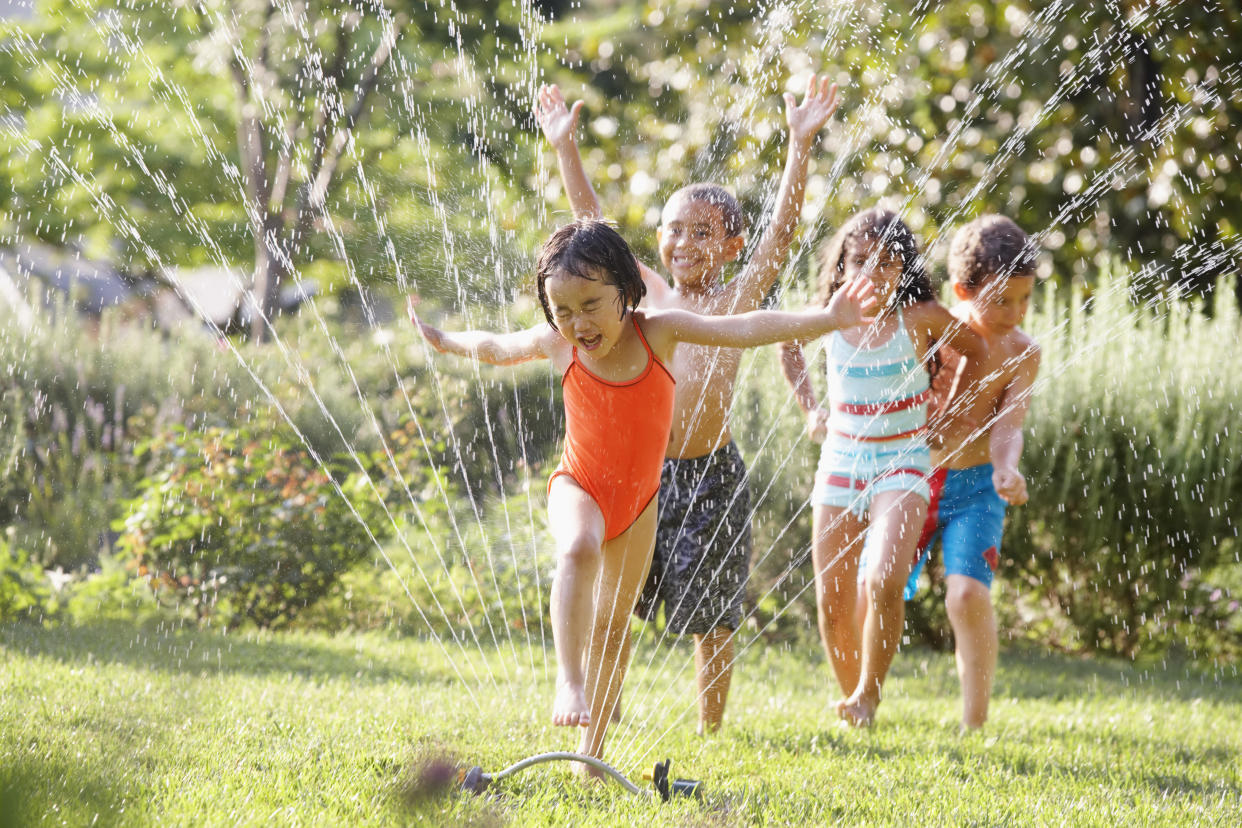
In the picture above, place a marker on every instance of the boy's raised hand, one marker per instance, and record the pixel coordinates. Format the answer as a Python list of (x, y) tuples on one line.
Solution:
[(853, 304), (807, 118), (558, 122), (432, 336)]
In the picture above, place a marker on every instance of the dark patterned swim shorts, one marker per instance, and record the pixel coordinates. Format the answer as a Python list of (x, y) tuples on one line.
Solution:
[(702, 548)]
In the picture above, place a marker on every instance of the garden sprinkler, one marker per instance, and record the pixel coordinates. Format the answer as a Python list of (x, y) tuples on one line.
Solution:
[(475, 780)]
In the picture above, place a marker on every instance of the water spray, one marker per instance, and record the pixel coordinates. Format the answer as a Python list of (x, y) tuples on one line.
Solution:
[(476, 780)]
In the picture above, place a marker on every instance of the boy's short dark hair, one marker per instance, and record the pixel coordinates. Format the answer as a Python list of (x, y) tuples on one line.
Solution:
[(587, 249), (730, 209), (987, 247)]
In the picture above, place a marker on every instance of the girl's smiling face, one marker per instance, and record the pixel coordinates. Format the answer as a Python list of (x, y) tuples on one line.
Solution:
[(587, 312), (873, 260)]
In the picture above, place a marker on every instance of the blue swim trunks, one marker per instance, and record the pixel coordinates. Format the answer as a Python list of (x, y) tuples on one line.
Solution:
[(968, 516)]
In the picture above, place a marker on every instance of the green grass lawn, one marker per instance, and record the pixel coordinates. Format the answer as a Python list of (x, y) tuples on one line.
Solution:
[(112, 725)]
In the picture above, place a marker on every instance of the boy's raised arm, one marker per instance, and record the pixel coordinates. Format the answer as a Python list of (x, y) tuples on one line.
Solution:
[(559, 124), (805, 121)]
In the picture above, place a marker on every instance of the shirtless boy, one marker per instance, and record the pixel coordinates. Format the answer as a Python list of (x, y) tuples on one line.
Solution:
[(702, 553)]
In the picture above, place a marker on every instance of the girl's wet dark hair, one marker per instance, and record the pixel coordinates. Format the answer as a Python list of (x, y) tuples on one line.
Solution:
[(590, 249), (876, 225)]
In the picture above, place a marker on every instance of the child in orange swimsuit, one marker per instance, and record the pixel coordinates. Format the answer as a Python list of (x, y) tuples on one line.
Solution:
[(618, 403)]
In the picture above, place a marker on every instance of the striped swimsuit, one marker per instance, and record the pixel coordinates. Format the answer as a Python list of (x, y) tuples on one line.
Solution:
[(875, 431)]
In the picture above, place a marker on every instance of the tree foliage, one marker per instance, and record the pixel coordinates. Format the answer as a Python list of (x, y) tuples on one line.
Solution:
[(1108, 129), (391, 141)]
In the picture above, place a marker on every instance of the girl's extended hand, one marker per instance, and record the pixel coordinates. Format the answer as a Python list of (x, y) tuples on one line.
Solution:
[(852, 304), (1010, 485), (817, 424), (558, 123), (432, 336)]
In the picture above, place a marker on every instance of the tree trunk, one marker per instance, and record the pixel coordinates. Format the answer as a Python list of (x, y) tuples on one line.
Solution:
[(270, 270)]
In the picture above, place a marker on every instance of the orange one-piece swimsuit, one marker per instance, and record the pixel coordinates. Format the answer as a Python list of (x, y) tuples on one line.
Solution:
[(616, 434)]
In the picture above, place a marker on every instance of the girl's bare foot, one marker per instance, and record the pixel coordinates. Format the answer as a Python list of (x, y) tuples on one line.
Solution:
[(858, 710), (587, 773), (570, 709)]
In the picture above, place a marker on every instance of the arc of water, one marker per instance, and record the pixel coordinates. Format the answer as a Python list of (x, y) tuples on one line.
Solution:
[(1045, 381), (108, 207), (1161, 130)]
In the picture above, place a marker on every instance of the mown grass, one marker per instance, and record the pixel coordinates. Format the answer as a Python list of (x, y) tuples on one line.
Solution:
[(113, 725)]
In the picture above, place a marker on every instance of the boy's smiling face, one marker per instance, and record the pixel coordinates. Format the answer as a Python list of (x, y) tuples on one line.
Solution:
[(694, 244)]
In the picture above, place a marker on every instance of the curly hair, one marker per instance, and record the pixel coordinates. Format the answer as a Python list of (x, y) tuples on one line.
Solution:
[(590, 249), (882, 226), (988, 247)]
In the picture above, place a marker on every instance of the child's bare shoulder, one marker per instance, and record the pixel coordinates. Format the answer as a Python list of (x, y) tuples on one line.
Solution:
[(555, 346), (1022, 345), (1020, 353), (926, 313)]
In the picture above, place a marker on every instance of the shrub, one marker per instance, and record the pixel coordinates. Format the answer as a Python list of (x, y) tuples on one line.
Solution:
[(1134, 458), (24, 590), (242, 524)]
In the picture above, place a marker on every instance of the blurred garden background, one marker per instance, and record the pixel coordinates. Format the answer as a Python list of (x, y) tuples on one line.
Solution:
[(215, 414)]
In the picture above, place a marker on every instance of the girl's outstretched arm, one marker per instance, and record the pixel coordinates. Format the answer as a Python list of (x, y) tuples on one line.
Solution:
[(485, 346), (849, 307)]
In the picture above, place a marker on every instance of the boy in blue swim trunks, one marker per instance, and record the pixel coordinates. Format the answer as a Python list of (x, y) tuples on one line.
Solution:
[(976, 441)]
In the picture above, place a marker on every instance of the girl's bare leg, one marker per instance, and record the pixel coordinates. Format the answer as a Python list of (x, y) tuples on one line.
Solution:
[(713, 661), (578, 530), (837, 544), (626, 560), (898, 518), (974, 628)]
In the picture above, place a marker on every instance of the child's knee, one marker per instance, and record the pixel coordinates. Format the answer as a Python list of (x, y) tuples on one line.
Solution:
[(835, 604), (967, 599), (886, 584), (579, 550)]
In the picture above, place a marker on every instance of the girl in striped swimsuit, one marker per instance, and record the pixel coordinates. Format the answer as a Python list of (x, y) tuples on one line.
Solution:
[(871, 485)]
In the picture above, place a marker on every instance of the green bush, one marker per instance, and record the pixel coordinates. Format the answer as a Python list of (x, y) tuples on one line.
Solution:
[(243, 524), (24, 590), (458, 576), (1134, 458)]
